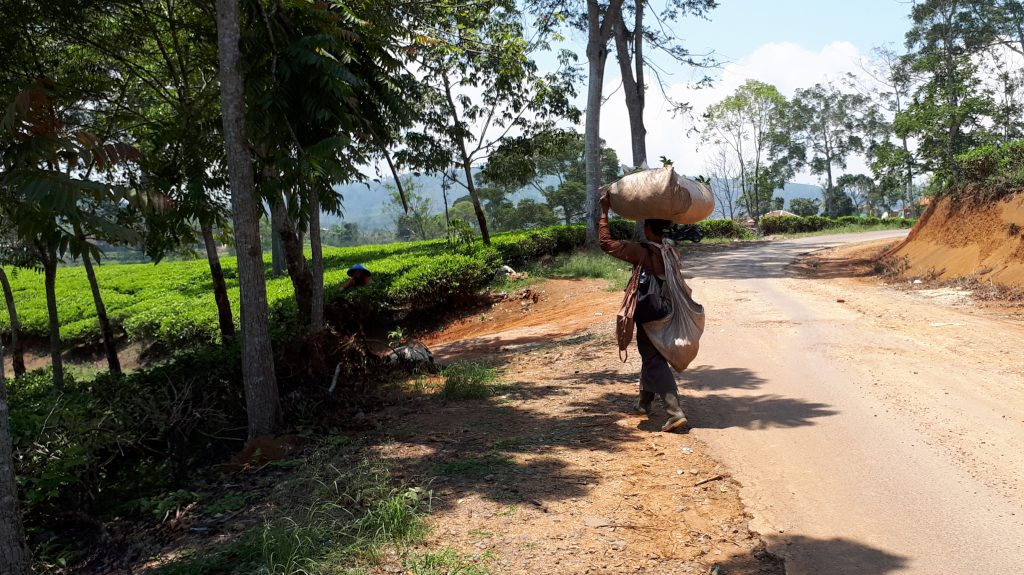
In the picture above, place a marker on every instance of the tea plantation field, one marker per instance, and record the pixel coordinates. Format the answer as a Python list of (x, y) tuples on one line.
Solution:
[(172, 302)]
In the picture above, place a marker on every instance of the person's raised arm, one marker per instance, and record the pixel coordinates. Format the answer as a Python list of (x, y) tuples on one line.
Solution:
[(631, 252)]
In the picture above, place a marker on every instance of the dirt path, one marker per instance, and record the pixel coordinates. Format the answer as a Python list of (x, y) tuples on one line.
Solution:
[(875, 431), (866, 430), (555, 476)]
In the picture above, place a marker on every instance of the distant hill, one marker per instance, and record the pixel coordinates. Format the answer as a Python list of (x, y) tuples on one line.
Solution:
[(366, 204)]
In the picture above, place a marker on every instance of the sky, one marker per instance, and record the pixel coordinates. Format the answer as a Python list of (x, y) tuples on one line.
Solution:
[(788, 43)]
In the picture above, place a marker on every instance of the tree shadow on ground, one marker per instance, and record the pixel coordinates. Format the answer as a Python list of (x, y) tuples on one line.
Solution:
[(829, 266), (752, 412), (495, 345), (499, 450), (843, 556), (705, 377), (759, 260), (721, 411), (602, 377)]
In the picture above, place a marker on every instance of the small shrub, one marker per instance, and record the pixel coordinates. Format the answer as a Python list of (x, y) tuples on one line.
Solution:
[(468, 380), (979, 164), (115, 439), (999, 167), (394, 518)]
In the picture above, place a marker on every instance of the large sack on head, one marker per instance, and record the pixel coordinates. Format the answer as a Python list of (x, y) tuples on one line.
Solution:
[(663, 194)]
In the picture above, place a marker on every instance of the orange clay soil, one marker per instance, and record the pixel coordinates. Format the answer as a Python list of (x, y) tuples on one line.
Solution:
[(957, 238)]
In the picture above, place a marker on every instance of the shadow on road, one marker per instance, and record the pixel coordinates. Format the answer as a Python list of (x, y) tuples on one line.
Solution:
[(756, 260), (835, 556), (749, 261), (705, 377), (721, 411), (752, 412)]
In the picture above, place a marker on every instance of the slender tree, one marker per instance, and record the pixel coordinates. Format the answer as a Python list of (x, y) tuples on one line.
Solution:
[(331, 90), (598, 20), (893, 83), (86, 252), (259, 379), (725, 174), (751, 124), (17, 349), (484, 88), (630, 50), (12, 254)]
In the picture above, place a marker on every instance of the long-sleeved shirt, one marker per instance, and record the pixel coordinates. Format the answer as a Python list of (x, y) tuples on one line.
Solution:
[(632, 252)]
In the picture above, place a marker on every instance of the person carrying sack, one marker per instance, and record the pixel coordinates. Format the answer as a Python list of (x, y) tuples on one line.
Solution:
[(648, 287)]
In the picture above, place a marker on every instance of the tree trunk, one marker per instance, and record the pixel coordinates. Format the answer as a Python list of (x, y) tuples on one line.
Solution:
[(316, 322), (14, 553), (631, 68), (50, 280), (261, 396), (17, 347), (467, 166), (481, 219), (909, 190), (276, 251), (597, 56), (109, 345), (298, 271), (220, 287)]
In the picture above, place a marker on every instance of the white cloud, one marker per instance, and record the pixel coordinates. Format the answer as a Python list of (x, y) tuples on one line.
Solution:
[(786, 65)]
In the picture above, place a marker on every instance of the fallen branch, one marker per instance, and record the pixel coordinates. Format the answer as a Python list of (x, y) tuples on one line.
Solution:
[(708, 480), (626, 526)]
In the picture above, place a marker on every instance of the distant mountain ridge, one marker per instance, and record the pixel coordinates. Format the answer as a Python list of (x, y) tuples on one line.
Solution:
[(366, 203)]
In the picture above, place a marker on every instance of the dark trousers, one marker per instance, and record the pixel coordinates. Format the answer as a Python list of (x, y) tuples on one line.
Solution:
[(655, 374)]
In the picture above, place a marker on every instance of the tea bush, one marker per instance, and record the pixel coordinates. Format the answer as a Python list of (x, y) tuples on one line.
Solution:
[(730, 229), (99, 443), (797, 224)]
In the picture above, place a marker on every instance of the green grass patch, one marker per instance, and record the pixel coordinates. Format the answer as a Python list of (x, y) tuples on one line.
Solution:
[(330, 519), (447, 561), (468, 380), (592, 265), (228, 503)]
